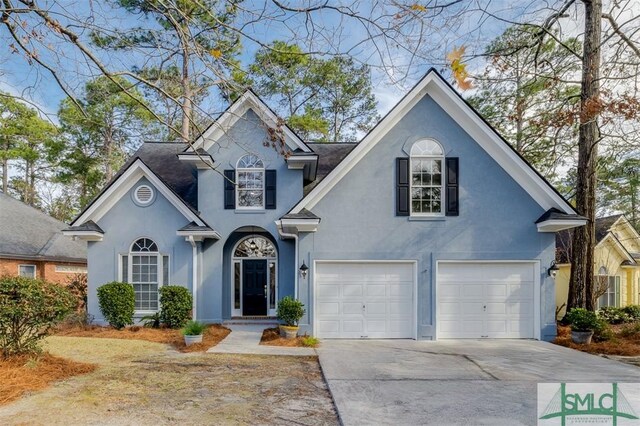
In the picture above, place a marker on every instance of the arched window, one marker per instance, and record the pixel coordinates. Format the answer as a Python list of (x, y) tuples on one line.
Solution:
[(427, 182), (250, 182), (146, 269), (255, 247)]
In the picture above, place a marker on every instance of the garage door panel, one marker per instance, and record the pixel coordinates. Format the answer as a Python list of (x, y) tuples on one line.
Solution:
[(494, 300), (385, 290)]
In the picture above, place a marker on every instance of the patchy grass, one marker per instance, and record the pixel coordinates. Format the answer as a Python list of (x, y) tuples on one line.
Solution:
[(20, 375), (624, 340), (141, 383), (271, 337), (212, 336)]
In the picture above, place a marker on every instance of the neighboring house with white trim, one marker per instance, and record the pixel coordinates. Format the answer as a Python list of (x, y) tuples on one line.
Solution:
[(432, 226), (32, 244), (616, 267)]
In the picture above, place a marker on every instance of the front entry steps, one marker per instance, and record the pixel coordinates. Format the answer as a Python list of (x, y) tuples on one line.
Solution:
[(267, 322)]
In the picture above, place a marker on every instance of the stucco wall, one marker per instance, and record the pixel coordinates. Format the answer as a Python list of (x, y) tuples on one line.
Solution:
[(248, 135), (496, 216), (125, 223)]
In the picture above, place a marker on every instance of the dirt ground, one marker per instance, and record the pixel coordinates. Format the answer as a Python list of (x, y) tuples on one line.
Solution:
[(145, 383), (623, 340)]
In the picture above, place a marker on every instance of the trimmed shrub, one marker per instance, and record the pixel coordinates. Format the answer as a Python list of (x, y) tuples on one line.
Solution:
[(633, 311), (175, 305), (28, 309), (117, 303), (613, 315), (290, 311), (193, 328), (584, 320)]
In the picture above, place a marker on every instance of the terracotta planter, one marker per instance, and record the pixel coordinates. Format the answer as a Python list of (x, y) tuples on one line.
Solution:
[(190, 340), (289, 332), (581, 337)]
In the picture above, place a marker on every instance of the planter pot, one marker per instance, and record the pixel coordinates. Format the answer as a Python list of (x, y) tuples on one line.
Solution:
[(289, 332), (190, 340), (581, 337)]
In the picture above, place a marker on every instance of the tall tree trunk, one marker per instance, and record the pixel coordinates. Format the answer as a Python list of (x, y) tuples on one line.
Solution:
[(187, 107), (581, 284), (5, 175)]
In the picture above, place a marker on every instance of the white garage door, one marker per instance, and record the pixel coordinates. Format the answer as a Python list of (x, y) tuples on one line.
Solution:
[(368, 299), (494, 300)]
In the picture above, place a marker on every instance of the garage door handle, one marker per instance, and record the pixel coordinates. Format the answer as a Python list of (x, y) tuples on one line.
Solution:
[(484, 308)]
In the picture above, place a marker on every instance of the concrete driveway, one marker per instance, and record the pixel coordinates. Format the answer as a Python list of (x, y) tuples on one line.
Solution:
[(471, 382)]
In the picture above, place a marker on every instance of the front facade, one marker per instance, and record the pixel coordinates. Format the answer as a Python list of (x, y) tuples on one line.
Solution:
[(32, 244), (616, 268), (430, 227)]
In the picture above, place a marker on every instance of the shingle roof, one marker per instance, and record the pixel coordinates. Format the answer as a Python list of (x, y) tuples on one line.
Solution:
[(87, 226), (192, 226), (162, 158), (304, 214), (329, 156), (563, 238), (555, 214), (26, 232)]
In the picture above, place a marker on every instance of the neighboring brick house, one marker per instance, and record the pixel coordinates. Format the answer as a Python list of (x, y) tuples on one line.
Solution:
[(32, 244)]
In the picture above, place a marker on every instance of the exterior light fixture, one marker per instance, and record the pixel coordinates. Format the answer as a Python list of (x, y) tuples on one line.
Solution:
[(303, 270), (553, 269), (253, 246)]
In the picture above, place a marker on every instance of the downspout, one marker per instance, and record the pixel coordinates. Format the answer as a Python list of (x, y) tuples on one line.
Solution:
[(194, 285), (295, 245)]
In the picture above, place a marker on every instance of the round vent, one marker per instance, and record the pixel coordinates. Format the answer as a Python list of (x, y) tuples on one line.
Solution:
[(143, 195)]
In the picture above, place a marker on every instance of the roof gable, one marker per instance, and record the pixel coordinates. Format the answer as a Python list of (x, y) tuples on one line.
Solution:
[(123, 183), (248, 100), (458, 109)]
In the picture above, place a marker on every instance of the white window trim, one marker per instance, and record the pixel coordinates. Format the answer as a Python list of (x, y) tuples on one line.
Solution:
[(35, 270), (252, 170), (617, 291), (442, 179), (235, 259), (159, 255)]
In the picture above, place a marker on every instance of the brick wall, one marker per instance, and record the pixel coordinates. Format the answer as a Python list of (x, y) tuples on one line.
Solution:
[(44, 269)]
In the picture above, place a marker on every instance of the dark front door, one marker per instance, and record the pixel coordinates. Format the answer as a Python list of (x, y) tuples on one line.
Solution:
[(254, 287)]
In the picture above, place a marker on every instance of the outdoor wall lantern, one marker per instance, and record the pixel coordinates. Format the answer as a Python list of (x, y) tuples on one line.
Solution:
[(303, 270), (553, 269)]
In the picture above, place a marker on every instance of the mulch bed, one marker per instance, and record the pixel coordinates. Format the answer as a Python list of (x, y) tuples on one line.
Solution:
[(22, 374), (212, 335), (271, 337), (624, 341)]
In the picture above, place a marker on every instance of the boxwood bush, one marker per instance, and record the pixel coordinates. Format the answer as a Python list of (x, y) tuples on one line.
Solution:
[(290, 311), (584, 320), (175, 305), (28, 309), (117, 303)]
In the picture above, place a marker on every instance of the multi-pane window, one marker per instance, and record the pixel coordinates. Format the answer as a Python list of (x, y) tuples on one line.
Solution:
[(611, 296), (28, 271), (250, 182), (146, 270), (427, 181)]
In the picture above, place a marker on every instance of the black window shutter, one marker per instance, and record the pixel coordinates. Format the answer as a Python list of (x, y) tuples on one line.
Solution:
[(452, 192), (402, 187), (270, 189), (229, 189)]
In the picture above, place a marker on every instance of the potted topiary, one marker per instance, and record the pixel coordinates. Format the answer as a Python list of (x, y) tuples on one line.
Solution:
[(290, 311), (583, 324), (193, 332)]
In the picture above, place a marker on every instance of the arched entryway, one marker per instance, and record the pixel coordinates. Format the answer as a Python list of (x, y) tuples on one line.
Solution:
[(254, 264)]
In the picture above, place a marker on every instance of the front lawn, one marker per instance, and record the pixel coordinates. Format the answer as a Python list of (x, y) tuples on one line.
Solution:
[(140, 382), (212, 336), (621, 339)]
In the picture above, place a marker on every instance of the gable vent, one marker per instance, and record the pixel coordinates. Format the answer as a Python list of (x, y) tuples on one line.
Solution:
[(143, 195)]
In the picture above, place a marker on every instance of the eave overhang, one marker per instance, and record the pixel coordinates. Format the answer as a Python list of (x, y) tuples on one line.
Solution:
[(297, 225), (83, 235), (556, 225), (200, 160), (308, 163)]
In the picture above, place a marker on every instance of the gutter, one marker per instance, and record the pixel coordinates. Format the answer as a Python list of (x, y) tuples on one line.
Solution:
[(194, 285), (295, 245)]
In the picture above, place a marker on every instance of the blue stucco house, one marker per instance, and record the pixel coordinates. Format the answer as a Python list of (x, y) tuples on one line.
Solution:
[(430, 227)]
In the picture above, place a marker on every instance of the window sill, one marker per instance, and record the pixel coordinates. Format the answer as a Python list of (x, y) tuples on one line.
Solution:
[(249, 211), (428, 218)]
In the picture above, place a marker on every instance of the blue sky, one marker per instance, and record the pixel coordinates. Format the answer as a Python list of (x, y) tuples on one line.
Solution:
[(392, 77)]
